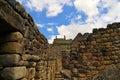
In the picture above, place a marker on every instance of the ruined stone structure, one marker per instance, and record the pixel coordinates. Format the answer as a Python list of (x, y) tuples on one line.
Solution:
[(22, 47), (60, 50), (26, 55), (62, 41), (96, 56)]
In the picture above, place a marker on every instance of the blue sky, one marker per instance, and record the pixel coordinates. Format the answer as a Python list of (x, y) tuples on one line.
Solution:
[(70, 17)]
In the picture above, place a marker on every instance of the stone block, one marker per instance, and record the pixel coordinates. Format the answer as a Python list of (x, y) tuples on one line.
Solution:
[(100, 67), (113, 34), (106, 62), (114, 57), (94, 72), (24, 79), (74, 78), (12, 48), (37, 75), (13, 73), (93, 42), (9, 59), (92, 67), (96, 63), (82, 75), (74, 70), (12, 37), (83, 71), (106, 58), (31, 73), (82, 46), (27, 64), (39, 68), (30, 58), (106, 35)]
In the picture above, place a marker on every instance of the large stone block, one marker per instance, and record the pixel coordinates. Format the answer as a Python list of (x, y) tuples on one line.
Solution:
[(31, 58), (27, 64), (11, 47), (9, 15), (13, 73), (9, 59), (15, 36), (12, 37)]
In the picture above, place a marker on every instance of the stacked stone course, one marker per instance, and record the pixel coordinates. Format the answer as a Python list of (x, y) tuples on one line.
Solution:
[(94, 54), (22, 47)]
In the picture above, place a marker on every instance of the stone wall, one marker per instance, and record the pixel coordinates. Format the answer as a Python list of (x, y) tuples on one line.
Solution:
[(58, 53), (96, 56), (22, 47), (26, 55)]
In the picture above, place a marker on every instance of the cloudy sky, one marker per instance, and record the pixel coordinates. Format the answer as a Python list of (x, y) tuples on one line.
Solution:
[(70, 17)]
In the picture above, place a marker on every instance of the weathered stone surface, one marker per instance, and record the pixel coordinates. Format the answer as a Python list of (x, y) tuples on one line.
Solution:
[(103, 45), (19, 34), (15, 36), (74, 70), (27, 64), (31, 73), (21, 43), (110, 72), (11, 47), (13, 73), (24, 79), (9, 59), (37, 75), (6, 11), (82, 75), (30, 58), (12, 37)]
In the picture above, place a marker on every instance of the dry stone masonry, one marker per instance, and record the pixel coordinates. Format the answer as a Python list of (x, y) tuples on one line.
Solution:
[(26, 55), (96, 56), (60, 50), (22, 46)]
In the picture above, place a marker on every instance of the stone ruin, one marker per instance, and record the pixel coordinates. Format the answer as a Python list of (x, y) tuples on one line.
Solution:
[(22, 46), (26, 55), (96, 56)]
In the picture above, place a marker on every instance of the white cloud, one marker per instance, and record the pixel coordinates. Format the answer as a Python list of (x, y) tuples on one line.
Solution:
[(70, 31), (94, 9), (50, 29), (78, 17), (51, 23), (113, 14), (95, 19), (88, 7), (53, 7), (40, 25), (19, 1), (54, 10), (22, 1), (51, 39), (73, 29)]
